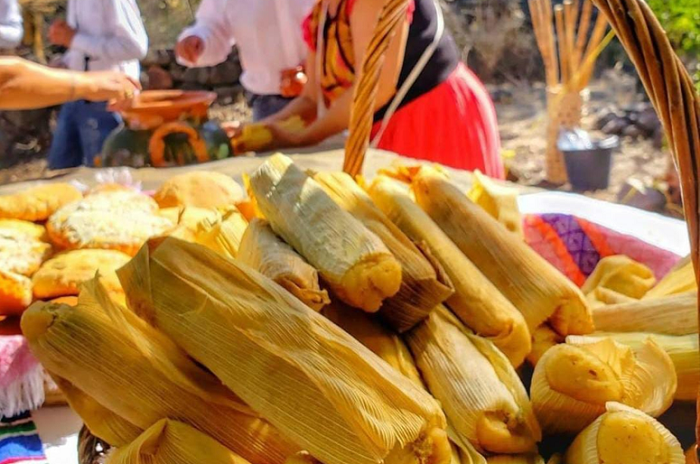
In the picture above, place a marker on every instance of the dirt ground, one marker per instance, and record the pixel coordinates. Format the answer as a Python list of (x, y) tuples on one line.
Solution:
[(522, 120)]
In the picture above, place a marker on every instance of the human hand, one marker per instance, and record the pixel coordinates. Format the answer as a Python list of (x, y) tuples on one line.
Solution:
[(233, 128), (60, 33), (283, 138), (190, 48), (112, 86)]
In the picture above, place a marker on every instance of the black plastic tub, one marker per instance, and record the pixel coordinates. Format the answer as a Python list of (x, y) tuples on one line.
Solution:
[(590, 169)]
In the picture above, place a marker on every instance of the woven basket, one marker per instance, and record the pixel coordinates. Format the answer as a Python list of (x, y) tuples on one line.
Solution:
[(563, 111), (667, 82)]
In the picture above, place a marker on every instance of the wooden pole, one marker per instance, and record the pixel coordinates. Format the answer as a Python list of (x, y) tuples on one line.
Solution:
[(561, 38), (583, 28)]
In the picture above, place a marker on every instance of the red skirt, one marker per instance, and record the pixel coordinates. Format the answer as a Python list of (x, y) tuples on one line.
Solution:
[(454, 124)]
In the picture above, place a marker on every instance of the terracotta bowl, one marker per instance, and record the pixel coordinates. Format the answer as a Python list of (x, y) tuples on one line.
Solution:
[(159, 106)]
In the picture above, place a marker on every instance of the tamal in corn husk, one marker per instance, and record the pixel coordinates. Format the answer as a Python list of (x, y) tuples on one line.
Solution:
[(264, 251), (622, 275), (309, 378), (499, 201), (680, 279), (573, 382), (353, 261), (476, 301), (224, 234), (424, 285)]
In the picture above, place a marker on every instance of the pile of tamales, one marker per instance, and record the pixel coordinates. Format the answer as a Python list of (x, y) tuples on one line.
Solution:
[(381, 322)]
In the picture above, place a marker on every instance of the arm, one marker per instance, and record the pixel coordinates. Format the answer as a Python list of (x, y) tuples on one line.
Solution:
[(212, 26), (26, 85), (363, 22), (127, 40)]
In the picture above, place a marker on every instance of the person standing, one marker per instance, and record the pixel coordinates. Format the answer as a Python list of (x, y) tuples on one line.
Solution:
[(11, 29), (270, 44), (100, 35)]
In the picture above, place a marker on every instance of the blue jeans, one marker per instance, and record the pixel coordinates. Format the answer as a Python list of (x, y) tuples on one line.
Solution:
[(266, 105), (81, 131)]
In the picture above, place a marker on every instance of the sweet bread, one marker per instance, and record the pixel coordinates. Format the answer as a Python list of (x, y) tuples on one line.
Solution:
[(116, 220), (63, 274), (15, 293), (38, 203), (36, 231), (202, 189)]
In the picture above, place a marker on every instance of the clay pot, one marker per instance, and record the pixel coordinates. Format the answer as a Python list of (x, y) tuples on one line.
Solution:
[(152, 108)]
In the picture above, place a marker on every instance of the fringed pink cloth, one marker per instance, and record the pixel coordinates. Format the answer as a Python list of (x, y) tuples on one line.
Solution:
[(22, 378)]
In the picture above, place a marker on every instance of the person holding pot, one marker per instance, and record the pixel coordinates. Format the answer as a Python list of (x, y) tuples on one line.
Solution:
[(100, 35), (269, 41), (429, 105)]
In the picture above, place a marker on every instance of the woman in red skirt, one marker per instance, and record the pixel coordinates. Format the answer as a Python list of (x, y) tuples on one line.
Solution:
[(442, 113)]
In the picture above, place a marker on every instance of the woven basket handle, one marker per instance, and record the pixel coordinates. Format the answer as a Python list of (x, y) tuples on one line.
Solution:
[(672, 93), (363, 105)]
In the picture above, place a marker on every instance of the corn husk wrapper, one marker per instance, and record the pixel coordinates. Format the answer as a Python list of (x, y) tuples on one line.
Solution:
[(534, 286), (572, 383), (602, 296), (102, 422), (265, 252), (543, 339), (375, 336), (481, 393), (499, 201), (423, 286), (622, 275), (352, 260), (624, 435), (670, 315), (681, 279), (188, 220), (172, 442), (305, 375), (223, 235), (683, 351), (140, 375), (476, 301)]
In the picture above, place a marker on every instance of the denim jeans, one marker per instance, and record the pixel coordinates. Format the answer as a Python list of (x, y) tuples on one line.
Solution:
[(266, 105), (81, 131)]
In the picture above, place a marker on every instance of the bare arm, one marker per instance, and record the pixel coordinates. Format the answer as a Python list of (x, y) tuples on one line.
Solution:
[(26, 85)]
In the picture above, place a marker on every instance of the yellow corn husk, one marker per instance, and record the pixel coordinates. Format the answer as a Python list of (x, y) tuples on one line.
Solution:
[(521, 459), (499, 201), (476, 301), (573, 382), (302, 457), (670, 315), (481, 393), (622, 275), (188, 220), (624, 435), (372, 334), (683, 351), (602, 296), (533, 285), (309, 378), (139, 374), (102, 423), (681, 279), (424, 285), (543, 339), (351, 259), (265, 252), (223, 235), (172, 442)]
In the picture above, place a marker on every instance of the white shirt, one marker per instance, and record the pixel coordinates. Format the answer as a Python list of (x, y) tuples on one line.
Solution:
[(11, 30), (109, 32), (267, 32)]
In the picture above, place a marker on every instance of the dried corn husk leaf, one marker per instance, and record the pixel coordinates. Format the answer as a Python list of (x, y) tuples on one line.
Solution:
[(622, 275), (172, 442), (602, 296), (481, 393), (534, 286), (352, 260), (223, 235), (682, 349), (670, 315), (543, 339), (102, 422), (306, 376), (681, 279), (624, 435), (573, 382), (499, 201), (265, 252), (188, 220), (379, 339), (477, 303), (140, 375), (424, 284)]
